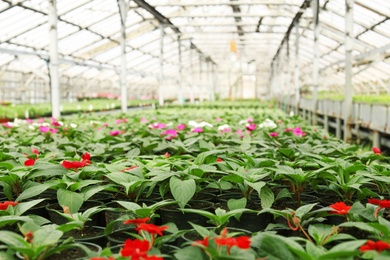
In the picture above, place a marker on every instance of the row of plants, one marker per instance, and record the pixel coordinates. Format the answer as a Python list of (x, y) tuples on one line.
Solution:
[(11, 111), (246, 183), (382, 98)]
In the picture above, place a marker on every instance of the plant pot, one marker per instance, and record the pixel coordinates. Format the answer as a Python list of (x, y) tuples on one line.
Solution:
[(118, 237), (90, 234), (114, 212), (182, 220), (96, 219), (74, 253)]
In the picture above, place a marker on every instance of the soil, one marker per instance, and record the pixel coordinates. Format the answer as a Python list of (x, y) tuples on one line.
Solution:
[(73, 253)]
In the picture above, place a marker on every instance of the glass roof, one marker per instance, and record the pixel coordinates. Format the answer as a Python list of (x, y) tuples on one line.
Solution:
[(89, 39)]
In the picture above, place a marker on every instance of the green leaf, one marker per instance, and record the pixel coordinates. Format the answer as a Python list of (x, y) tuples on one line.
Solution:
[(190, 253), (24, 206), (283, 193), (44, 237), (236, 203), (272, 247), (34, 191), (267, 197), (202, 156), (133, 153), (302, 211), (182, 190), (71, 199), (12, 239), (48, 170)]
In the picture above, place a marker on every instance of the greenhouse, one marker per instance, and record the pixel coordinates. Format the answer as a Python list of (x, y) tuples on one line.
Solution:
[(194, 129)]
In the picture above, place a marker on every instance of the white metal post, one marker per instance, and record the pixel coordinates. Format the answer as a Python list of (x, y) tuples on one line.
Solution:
[(316, 62), (161, 75), (200, 80), (53, 63), (215, 80), (123, 13), (180, 92), (191, 76), (348, 91), (296, 68)]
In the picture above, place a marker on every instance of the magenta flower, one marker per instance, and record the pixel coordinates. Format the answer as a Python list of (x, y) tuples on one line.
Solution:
[(273, 134), (115, 132), (239, 132), (157, 125), (29, 121), (53, 130), (55, 122), (288, 129), (197, 130), (41, 120), (251, 127), (170, 133), (44, 129), (249, 120), (118, 121), (6, 125), (105, 125), (298, 132), (181, 127), (143, 120)]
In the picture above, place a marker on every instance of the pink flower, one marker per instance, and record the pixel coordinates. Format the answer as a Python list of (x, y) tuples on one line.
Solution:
[(288, 129), (105, 125), (273, 134), (44, 129), (53, 130), (218, 119), (115, 132), (181, 127), (251, 127), (376, 150), (239, 132), (6, 125), (118, 121), (143, 120), (170, 133), (197, 130), (157, 125), (298, 132), (249, 120), (55, 122), (41, 120), (29, 121)]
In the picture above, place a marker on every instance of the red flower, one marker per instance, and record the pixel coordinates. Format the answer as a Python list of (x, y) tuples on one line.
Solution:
[(151, 228), (378, 246), (376, 150), (29, 162), (243, 242), (35, 151), (86, 157), (219, 160), (5, 204), (129, 168), (167, 155), (153, 257), (381, 203), (136, 221), (204, 242), (74, 165), (135, 248), (340, 208)]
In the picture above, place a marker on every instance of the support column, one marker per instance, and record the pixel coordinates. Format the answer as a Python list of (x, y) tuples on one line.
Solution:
[(316, 62), (123, 7), (53, 63), (180, 93), (191, 77), (200, 80), (161, 75), (208, 80), (215, 80), (348, 91), (296, 68)]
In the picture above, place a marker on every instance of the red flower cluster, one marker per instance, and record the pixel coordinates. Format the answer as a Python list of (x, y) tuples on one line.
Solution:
[(242, 242), (381, 203), (151, 228), (136, 221), (5, 204), (138, 250), (31, 161), (340, 208), (376, 150), (377, 246), (75, 164)]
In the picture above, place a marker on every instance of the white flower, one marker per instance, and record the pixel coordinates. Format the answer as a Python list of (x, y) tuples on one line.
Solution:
[(201, 124), (223, 127), (291, 113), (73, 125), (243, 122), (31, 127), (268, 123)]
